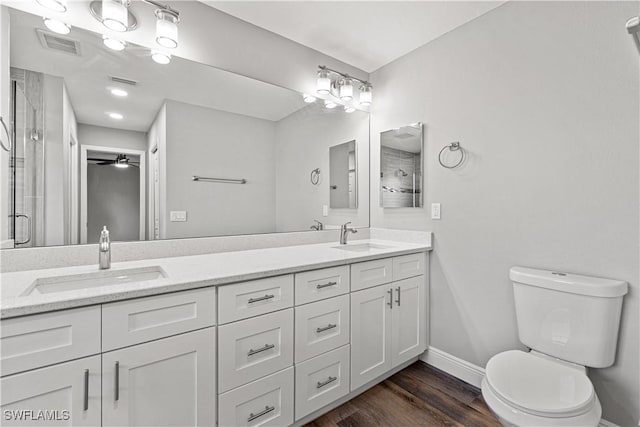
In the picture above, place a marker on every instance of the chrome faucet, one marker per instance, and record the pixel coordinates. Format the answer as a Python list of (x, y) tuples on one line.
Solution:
[(104, 249), (318, 226), (344, 230)]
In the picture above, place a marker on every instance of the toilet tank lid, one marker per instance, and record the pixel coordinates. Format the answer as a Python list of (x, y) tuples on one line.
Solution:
[(568, 282)]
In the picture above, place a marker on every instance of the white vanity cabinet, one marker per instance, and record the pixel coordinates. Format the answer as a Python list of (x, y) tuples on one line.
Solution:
[(388, 324), (169, 382)]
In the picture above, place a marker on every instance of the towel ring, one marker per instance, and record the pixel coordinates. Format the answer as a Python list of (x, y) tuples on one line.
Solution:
[(315, 176), (6, 131), (454, 146)]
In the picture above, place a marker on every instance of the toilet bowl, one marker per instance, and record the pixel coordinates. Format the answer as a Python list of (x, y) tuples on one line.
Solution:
[(569, 322), (527, 389)]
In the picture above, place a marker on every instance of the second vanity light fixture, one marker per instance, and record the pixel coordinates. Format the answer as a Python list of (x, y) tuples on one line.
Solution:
[(341, 85)]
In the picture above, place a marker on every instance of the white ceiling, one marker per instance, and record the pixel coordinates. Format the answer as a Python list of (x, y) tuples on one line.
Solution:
[(365, 34), (87, 79)]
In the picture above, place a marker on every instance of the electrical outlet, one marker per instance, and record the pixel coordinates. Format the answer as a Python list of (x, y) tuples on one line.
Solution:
[(435, 210), (178, 216)]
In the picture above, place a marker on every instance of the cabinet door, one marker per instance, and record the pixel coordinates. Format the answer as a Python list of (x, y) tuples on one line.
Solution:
[(370, 334), (59, 395), (169, 382), (408, 332)]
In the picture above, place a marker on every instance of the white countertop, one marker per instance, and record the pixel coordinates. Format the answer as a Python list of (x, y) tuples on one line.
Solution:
[(186, 272)]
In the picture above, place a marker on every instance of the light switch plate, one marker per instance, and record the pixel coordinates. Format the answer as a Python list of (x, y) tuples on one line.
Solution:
[(325, 210), (435, 210), (178, 216)]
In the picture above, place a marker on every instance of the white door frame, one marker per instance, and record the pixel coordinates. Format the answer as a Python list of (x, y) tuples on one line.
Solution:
[(84, 149)]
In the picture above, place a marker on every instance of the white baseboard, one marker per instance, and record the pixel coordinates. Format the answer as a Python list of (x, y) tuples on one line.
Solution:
[(466, 371)]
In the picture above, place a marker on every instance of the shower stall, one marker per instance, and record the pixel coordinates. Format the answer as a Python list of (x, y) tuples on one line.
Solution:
[(26, 160)]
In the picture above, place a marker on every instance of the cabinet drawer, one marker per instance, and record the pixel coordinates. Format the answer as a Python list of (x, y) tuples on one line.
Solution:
[(321, 284), (44, 339), (371, 273), (321, 326), (266, 402), (409, 266), (249, 299), (253, 348), (321, 380), (131, 322)]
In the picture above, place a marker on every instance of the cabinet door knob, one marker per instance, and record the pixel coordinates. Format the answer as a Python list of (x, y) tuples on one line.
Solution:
[(326, 285), (85, 401), (264, 298), (326, 328), (390, 303), (266, 410), (329, 380), (261, 349), (117, 382), (398, 300)]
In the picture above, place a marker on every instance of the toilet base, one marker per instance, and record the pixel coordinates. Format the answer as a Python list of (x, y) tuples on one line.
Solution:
[(512, 417)]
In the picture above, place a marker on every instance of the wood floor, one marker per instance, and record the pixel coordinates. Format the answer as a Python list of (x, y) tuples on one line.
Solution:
[(419, 395)]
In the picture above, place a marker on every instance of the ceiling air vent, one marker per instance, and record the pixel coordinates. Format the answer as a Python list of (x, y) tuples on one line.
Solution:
[(123, 81), (58, 43)]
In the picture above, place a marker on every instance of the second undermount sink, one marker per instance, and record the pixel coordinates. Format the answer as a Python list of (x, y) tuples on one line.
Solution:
[(48, 285), (361, 247)]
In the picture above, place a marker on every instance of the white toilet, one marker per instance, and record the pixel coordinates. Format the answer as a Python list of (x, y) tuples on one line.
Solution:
[(569, 322)]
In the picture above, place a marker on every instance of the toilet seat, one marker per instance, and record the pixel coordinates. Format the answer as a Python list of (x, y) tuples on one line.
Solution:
[(539, 386)]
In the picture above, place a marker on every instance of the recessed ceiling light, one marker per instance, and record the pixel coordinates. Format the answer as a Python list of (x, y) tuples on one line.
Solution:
[(308, 98), (119, 93), (330, 104), (55, 5), (160, 57), (113, 44), (57, 26), (348, 109), (116, 116)]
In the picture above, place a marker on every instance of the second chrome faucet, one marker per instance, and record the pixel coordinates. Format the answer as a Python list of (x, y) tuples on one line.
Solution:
[(344, 231)]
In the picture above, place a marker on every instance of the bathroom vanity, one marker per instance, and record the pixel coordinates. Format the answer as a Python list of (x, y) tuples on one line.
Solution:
[(262, 337)]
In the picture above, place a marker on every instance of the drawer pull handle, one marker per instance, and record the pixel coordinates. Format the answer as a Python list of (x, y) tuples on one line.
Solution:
[(264, 298), (390, 303), (261, 349), (326, 328), (85, 401), (117, 382), (267, 409), (326, 285), (398, 300), (325, 382)]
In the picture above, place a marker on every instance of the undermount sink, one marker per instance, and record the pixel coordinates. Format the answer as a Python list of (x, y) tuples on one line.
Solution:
[(48, 285), (361, 247)]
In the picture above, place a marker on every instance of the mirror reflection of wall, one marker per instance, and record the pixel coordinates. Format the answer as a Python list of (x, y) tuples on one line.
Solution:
[(401, 164), (83, 113)]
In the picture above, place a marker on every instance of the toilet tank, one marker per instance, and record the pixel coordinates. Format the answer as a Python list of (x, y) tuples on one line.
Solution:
[(568, 316)]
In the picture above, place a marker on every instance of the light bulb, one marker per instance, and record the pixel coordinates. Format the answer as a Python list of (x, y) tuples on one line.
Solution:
[(346, 90), (115, 15), (167, 28), (55, 5), (57, 26), (121, 165), (323, 86), (116, 116), (160, 57), (365, 94), (308, 98), (119, 93), (330, 104), (348, 109), (113, 44)]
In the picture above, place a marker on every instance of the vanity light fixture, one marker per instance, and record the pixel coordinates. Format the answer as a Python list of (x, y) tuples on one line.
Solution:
[(57, 26), (308, 98), (160, 57), (54, 5), (116, 116), (113, 44), (330, 104), (167, 28), (340, 85), (348, 109), (115, 15), (120, 93)]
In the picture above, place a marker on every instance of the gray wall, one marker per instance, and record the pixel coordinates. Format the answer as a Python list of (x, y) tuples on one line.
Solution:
[(113, 199), (111, 137), (544, 96), (212, 143)]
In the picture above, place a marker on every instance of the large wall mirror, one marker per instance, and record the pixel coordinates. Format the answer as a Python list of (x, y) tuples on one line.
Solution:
[(401, 167), (152, 151)]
